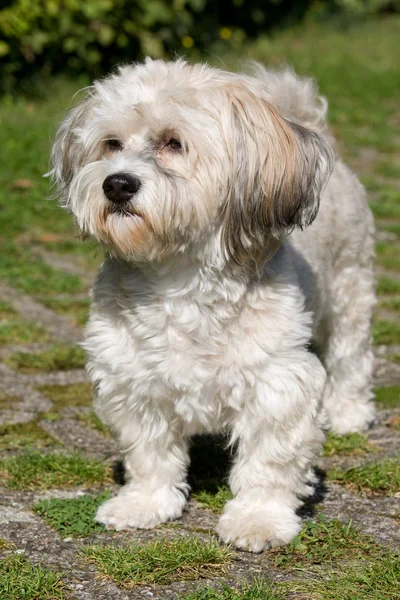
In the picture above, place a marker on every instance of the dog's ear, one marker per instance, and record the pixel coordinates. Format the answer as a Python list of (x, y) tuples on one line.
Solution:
[(278, 171), (68, 148)]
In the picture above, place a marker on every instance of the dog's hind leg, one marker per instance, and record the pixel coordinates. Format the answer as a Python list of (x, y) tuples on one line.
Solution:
[(346, 345)]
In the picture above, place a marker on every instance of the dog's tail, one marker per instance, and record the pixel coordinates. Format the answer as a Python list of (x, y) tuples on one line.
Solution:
[(296, 98)]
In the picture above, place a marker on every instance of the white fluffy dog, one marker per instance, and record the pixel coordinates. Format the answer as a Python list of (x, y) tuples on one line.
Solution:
[(202, 316)]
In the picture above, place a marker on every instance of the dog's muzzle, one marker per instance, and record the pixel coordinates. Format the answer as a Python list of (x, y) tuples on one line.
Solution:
[(120, 187)]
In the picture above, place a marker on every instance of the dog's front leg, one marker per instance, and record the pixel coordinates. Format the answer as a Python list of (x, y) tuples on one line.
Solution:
[(155, 463), (278, 434)]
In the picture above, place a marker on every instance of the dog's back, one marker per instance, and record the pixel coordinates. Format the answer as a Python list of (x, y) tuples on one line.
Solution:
[(334, 258)]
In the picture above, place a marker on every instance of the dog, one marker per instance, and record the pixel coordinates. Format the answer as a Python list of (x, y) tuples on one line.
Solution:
[(234, 237)]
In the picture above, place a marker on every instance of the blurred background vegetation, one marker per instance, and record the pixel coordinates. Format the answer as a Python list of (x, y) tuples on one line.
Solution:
[(90, 36)]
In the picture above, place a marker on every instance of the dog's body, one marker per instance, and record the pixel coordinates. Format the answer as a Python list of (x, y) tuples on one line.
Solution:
[(202, 318)]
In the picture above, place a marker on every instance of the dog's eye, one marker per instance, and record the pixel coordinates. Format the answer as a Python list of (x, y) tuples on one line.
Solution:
[(114, 145), (174, 144)]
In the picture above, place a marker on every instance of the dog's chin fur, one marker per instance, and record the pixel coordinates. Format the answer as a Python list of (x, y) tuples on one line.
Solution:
[(221, 269)]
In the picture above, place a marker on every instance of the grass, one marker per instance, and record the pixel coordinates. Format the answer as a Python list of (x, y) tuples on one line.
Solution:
[(388, 285), (392, 304), (386, 333), (31, 275), (347, 445), (376, 580), (388, 397), (213, 500), (160, 562), (24, 435), (75, 394), (76, 309), (338, 563), (14, 330), (19, 580), (37, 471), (259, 589), (72, 517), (323, 542), (382, 477), (388, 256), (60, 357)]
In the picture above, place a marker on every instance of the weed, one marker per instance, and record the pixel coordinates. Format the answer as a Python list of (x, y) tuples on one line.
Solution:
[(72, 517)]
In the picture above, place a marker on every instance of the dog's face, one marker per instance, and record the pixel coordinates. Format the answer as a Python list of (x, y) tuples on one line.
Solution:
[(165, 158)]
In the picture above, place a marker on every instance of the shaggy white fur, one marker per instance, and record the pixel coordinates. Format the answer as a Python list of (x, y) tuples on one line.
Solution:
[(203, 312)]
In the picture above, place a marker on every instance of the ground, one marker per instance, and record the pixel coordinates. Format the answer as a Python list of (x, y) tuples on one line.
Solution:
[(58, 461)]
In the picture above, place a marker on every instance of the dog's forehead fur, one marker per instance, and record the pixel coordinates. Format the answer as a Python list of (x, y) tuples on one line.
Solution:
[(161, 94)]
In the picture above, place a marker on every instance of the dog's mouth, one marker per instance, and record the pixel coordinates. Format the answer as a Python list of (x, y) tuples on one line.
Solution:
[(123, 211)]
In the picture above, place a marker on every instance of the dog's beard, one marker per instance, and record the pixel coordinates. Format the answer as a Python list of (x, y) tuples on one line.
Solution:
[(124, 229)]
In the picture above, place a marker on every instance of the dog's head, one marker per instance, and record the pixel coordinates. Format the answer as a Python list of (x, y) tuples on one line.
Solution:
[(163, 158)]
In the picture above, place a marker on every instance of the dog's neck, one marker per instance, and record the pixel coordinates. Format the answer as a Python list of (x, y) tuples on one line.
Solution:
[(189, 275)]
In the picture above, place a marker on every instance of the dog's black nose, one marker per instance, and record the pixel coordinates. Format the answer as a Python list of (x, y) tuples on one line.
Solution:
[(120, 187)]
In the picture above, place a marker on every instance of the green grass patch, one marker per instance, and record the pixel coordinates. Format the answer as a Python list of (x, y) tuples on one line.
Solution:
[(72, 517), (347, 445), (35, 471), (391, 228), (60, 357), (31, 275), (388, 397), (392, 304), (385, 210), (24, 435), (386, 168), (75, 394), (19, 580), (76, 310), (388, 256), (386, 332), (373, 580), (322, 542), (387, 285), (339, 564), (14, 330), (161, 562), (382, 477), (213, 500), (259, 589)]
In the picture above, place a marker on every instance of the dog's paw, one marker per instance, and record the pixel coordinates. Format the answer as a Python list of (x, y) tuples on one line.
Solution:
[(255, 528), (133, 509), (352, 417)]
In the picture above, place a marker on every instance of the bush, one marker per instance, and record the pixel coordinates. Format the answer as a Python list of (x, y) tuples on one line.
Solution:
[(91, 36)]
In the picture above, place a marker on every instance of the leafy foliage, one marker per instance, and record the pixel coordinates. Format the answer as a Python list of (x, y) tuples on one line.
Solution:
[(92, 36)]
